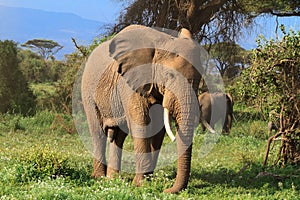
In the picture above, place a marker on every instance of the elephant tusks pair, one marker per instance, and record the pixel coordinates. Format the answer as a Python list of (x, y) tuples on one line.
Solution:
[(167, 125)]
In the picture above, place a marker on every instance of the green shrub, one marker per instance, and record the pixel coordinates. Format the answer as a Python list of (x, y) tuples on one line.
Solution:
[(15, 95), (272, 83), (42, 122), (41, 162), (44, 93), (11, 123)]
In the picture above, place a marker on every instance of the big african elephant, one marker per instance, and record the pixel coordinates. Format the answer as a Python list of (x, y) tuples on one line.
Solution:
[(215, 107), (123, 79)]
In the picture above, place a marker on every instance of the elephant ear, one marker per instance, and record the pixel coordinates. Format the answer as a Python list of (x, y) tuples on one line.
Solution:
[(136, 37), (130, 39), (133, 49)]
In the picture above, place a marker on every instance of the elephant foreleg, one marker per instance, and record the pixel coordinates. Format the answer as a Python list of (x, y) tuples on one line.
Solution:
[(143, 159), (156, 142), (115, 153)]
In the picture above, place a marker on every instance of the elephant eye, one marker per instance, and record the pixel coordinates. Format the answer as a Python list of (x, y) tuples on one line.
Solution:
[(170, 76)]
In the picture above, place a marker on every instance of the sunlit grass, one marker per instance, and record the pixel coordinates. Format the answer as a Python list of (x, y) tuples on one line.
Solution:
[(229, 170)]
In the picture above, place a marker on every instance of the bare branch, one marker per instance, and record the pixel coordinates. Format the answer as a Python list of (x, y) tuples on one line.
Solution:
[(80, 48)]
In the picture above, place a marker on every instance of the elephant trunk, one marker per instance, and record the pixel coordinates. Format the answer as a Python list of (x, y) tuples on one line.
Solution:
[(206, 125), (184, 113), (183, 171), (228, 123), (229, 113)]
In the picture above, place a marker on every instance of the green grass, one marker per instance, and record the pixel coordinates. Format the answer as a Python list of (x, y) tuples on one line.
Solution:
[(41, 161)]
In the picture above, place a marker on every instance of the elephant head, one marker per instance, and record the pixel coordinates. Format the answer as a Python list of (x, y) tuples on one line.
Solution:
[(215, 107), (164, 69)]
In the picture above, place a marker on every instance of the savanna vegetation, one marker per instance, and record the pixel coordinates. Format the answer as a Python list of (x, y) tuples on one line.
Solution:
[(41, 160), (42, 156)]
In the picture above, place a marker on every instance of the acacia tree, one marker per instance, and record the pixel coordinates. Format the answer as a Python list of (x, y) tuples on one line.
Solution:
[(210, 21), (45, 48), (204, 18), (279, 8)]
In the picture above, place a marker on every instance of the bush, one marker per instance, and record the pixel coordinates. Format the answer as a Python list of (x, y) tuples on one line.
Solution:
[(15, 95), (38, 163), (42, 122), (273, 84)]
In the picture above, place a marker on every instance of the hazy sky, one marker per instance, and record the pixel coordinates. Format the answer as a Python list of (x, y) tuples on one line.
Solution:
[(100, 10), (108, 11)]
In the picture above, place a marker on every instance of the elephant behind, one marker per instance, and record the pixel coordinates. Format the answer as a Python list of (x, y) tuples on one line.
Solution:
[(215, 107)]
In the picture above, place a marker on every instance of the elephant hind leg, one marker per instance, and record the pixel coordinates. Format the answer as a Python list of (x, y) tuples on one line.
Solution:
[(115, 153), (98, 138), (99, 169)]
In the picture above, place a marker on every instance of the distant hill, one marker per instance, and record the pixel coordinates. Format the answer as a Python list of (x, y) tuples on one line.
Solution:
[(22, 24)]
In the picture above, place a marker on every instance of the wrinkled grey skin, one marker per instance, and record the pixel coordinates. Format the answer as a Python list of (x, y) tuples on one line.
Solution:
[(215, 107), (118, 97)]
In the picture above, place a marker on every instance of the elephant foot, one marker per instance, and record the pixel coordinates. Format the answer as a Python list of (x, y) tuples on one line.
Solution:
[(140, 178), (99, 169), (112, 173)]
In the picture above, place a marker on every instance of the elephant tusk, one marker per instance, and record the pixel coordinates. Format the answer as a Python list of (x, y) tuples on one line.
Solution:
[(167, 125), (209, 128)]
